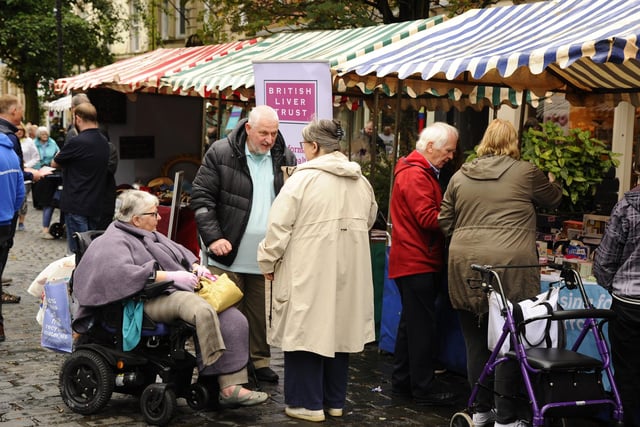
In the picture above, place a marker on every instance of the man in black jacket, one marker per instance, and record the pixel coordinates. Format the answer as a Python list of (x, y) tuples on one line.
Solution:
[(232, 193), (84, 161)]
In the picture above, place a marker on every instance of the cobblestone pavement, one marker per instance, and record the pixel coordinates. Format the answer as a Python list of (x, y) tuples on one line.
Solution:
[(29, 373)]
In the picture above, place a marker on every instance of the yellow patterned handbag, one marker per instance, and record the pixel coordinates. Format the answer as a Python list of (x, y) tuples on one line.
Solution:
[(219, 291)]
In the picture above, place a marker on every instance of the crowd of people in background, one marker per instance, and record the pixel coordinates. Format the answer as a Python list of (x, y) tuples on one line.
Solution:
[(300, 246)]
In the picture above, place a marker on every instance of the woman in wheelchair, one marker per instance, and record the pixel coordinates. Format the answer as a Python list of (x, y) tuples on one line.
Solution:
[(130, 255)]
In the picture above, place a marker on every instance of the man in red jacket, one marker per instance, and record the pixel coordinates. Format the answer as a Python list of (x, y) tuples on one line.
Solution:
[(416, 260)]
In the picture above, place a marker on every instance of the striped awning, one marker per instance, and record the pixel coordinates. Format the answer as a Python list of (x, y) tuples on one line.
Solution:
[(587, 49), (143, 72), (60, 104), (235, 71)]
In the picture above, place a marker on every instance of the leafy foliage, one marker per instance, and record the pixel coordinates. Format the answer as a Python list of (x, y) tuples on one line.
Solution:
[(29, 42), (578, 161), (456, 7), (380, 180), (250, 18)]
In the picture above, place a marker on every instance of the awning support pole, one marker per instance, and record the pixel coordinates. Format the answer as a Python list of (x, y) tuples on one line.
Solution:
[(523, 108), (373, 148), (394, 154)]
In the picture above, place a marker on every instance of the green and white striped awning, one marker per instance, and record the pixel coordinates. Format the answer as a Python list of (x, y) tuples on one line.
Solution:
[(235, 71)]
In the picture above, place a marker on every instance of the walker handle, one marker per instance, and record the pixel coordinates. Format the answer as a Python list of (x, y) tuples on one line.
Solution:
[(482, 268)]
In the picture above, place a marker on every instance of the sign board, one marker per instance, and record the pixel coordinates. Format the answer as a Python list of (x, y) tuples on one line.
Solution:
[(299, 91)]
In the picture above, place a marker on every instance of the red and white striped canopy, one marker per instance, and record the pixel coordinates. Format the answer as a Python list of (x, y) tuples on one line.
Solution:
[(143, 72)]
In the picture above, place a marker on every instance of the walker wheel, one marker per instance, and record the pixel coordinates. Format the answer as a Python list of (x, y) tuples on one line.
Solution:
[(461, 419), (56, 230)]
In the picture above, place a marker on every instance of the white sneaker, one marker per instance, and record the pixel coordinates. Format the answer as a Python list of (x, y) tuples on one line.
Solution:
[(334, 412), (518, 423), (305, 414), (482, 418)]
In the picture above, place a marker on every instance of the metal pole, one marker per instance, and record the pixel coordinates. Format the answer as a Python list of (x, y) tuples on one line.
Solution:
[(523, 107), (373, 148), (394, 153)]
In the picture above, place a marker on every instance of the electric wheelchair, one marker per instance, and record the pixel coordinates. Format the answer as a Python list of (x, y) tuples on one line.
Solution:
[(158, 370)]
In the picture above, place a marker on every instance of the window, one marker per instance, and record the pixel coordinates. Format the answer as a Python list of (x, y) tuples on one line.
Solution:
[(164, 20), (134, 33), (181, 18)]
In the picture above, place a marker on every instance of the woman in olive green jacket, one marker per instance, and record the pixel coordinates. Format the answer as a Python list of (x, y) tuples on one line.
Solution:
[(489, 212)]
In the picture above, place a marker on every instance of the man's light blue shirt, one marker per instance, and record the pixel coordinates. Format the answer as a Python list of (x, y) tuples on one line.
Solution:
[(261, 170)]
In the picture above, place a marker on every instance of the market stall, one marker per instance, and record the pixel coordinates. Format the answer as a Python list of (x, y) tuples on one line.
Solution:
[(584, 49)]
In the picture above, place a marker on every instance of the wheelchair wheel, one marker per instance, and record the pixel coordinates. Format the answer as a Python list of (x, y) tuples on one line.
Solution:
[(197, 397), (461, 419), (157, 404), (86, 382)]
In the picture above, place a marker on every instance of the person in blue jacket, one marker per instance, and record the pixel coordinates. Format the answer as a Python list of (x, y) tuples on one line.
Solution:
[(11, 197)]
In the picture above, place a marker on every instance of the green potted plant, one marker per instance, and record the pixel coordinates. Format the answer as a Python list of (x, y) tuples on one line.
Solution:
[(578, 161)]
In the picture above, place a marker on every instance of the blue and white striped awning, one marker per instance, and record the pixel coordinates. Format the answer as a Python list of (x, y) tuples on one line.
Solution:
[(587, 49)]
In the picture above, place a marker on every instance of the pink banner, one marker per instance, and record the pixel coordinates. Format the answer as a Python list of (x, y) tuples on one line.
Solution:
[(294, 101), (299, 91)]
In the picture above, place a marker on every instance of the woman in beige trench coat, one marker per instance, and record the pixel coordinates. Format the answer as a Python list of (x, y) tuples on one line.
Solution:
[(489, 212), (316, 259)]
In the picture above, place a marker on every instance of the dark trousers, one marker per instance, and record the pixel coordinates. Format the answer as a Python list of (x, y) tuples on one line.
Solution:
[(416, 338), (6, 242), (624, 336), (78, 224), (474, 331), (313, 381), (507, 380)]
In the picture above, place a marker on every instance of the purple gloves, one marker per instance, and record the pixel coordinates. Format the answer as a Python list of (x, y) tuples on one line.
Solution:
[(202, 270), (182, 280)]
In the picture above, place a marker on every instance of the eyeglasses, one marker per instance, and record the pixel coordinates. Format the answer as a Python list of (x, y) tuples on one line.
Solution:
[(20, 130), (156, 213), (305, 142)]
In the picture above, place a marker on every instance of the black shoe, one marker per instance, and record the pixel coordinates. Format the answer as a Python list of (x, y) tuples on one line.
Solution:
[(436, 399), (1, 333), (400, 393), (8, 298), (266, 374)]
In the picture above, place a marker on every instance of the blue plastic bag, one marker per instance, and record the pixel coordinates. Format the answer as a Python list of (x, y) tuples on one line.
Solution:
[(56, 325)]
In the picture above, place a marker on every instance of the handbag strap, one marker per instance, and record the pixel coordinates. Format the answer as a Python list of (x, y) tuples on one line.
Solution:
[(518, 317)]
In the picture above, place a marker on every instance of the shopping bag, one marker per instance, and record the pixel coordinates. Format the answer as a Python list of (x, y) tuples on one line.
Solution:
[(219, 291), (56, 324), (57, 270), (540, 333)]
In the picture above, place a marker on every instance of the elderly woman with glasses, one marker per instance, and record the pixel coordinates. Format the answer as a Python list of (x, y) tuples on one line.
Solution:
[(131, 254), (316, 256)]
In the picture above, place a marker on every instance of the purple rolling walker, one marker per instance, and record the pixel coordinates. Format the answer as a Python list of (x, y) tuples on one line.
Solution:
[(559, 383)]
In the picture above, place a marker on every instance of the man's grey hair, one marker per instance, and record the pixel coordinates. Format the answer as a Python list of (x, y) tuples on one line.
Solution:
[(262, 112), (79, 98), (438, 133)]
